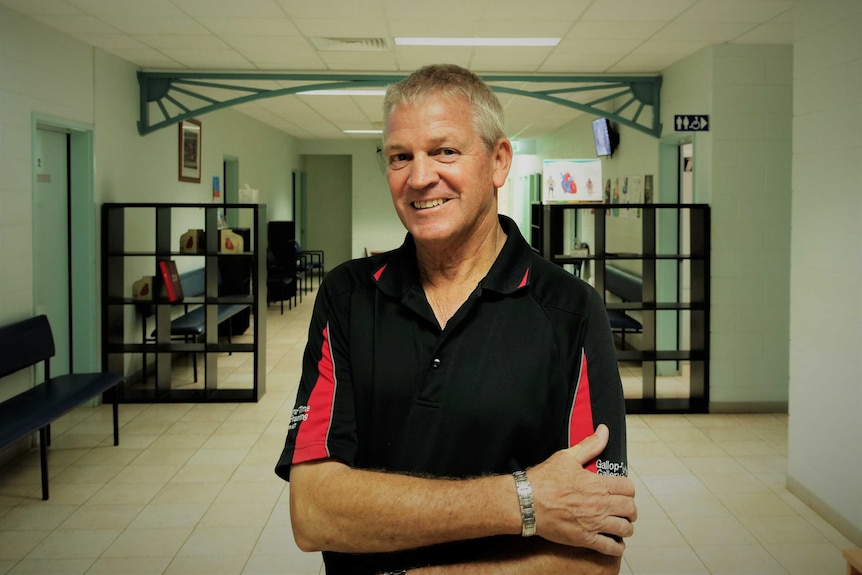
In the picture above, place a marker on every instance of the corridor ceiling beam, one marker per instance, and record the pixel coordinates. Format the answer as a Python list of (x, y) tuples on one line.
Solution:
[(167, 98)]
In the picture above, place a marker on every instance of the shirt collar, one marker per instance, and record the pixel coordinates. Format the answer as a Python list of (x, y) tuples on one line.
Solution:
[(397, 273)]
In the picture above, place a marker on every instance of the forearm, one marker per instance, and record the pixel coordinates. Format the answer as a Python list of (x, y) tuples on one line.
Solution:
[(533, 556), (337, 508)]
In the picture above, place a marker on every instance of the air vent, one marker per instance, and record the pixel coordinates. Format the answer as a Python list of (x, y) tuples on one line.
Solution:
[(351, 44)]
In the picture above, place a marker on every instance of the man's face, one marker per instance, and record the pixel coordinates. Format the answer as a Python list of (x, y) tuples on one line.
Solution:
[(441, 177)]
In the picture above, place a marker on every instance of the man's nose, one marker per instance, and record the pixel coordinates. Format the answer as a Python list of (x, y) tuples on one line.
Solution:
[(423, 172)]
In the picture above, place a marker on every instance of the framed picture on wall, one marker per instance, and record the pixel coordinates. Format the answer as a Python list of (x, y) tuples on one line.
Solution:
[(190, 151)]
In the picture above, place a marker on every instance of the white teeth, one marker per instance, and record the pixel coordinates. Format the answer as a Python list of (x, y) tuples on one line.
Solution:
[(428, 204)]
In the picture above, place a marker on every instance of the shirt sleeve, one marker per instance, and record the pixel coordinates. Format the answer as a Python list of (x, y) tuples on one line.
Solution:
[(323, 421), (598, 394)]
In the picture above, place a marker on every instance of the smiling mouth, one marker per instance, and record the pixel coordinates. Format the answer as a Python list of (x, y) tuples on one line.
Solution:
[(429, 204)]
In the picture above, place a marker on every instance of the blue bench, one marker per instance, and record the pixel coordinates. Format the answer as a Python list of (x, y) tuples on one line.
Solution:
[(23, 345), (629, 288), (192, 323)]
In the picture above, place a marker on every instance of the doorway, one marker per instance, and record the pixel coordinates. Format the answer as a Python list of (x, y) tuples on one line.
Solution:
[(64, 264)]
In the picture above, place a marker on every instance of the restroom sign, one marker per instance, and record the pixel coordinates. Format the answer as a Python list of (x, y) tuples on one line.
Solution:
[(691, 123)]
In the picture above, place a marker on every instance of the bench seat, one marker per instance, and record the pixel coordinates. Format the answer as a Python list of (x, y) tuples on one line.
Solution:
[(38, 406), (193, 323), (629, 288), (23, 345)]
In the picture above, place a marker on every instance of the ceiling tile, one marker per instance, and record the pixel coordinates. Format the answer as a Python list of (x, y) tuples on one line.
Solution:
[(113, 42), (339, 27), (452, 10), (155, 24), (250, 26), (436, 27), (364, 61), (520, 11), (181, 42), (753, 11), (146, 58), (710, 32), (596, 46), (127, 7), (75, 25), (231, 8), (346, 10), (628, 10), (411, 58), (209, 59), (774, 33), (579, 63), (523, 28), (614, 30), (43, 7), (508, 59)]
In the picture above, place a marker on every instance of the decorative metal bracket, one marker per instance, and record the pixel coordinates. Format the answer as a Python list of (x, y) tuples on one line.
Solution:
[(177, 96)]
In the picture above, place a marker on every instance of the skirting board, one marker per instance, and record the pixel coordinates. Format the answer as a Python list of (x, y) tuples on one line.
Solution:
[(847, 529), (748, 407)]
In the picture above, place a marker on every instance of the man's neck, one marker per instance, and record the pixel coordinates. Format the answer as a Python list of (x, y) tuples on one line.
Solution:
[(449, 277), (466, 261)]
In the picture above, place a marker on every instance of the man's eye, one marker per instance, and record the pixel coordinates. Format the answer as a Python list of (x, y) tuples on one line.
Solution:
[(447, 155), (398, 161)]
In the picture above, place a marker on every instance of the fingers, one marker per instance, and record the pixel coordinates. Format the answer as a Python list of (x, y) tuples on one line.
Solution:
[(591, 446)]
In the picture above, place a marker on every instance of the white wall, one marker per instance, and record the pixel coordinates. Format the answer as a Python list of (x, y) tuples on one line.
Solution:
[(825, 451)]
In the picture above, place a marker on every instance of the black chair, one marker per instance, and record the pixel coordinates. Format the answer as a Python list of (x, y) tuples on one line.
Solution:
[(281, 280), (312, 261)]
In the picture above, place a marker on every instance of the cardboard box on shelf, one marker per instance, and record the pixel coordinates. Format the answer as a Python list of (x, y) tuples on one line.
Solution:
[(192, 242), (230, 242), (143, 289)]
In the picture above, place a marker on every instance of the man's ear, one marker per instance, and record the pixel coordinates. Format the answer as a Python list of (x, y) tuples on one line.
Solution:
[(502, 159)]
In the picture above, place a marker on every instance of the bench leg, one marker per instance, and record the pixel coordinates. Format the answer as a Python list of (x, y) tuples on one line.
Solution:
[(116, 409), (43, 460)]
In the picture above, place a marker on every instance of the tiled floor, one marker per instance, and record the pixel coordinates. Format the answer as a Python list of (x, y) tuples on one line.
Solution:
[(190, 490)]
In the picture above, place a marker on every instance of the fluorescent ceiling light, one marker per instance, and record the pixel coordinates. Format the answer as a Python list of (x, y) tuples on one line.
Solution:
[(349, 92), (477, 41), (362, 131)]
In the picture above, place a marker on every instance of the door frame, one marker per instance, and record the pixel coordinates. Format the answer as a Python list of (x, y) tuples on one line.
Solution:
[(83, 230)]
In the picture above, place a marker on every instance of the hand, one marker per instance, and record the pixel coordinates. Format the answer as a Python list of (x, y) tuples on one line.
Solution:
[(578, 508)]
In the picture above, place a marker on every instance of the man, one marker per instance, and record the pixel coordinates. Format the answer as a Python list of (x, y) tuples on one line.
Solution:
[(435, 374)]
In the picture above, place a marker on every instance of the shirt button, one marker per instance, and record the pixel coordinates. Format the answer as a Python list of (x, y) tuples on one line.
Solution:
[(436, 363)]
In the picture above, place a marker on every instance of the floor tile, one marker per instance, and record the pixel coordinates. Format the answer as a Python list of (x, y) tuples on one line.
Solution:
[(739, 560)]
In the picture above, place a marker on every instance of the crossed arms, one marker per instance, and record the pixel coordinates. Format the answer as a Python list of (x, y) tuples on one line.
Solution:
[(581, 518)]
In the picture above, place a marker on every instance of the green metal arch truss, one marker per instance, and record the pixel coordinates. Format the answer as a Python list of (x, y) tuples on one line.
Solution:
[(177, 96)]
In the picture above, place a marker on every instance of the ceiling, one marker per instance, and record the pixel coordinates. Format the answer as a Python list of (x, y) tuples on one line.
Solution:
[(599, 37)]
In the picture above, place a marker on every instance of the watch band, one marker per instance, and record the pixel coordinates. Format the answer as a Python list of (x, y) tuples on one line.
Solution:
[(525, 500)]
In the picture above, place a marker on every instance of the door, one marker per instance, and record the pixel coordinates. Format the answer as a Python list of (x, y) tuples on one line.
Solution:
[(51, 253)]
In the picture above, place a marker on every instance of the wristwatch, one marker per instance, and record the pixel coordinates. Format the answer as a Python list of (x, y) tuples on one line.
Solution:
[(525, 500)]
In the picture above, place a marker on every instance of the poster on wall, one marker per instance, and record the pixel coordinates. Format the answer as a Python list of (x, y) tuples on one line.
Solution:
[(571, 181), (634, 195)]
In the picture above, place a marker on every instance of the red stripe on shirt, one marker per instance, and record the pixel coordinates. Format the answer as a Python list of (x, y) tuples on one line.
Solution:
[(313, 432), (581, 419), (379, 272), (524, 279)]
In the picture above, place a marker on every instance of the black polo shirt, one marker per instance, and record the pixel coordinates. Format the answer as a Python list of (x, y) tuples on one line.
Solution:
[(524, 368)]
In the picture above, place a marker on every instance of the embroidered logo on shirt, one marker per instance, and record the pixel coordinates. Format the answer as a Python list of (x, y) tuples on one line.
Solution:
[(617, 468), (299, 415)]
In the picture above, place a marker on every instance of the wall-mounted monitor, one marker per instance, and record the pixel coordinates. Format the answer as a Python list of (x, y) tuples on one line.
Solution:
[(606, 137)]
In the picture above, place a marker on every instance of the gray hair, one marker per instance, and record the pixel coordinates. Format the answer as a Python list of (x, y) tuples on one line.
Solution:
[(450, 80)]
